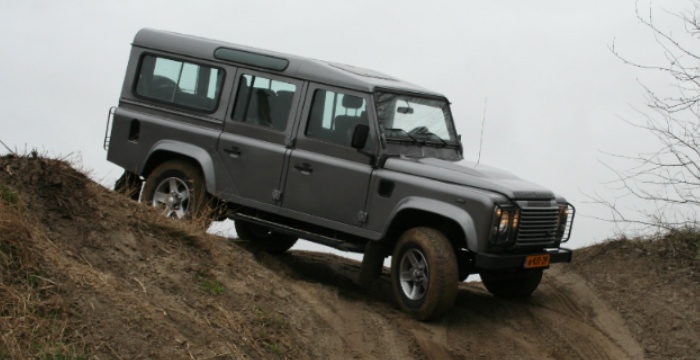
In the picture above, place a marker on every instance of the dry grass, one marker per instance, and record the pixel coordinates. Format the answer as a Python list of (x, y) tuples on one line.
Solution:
[(84, 273), (35, 321)]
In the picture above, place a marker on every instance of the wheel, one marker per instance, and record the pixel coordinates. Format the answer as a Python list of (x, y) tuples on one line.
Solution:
[(177, 187), (511, 285), (263, 238), (129, 184), (424, 273)]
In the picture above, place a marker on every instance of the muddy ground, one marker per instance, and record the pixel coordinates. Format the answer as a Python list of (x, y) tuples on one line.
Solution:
[(86, 273)]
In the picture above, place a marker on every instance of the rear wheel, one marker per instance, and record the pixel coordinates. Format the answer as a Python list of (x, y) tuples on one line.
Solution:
[(424, 273), (512, 285), (177, 187), (263, 238)]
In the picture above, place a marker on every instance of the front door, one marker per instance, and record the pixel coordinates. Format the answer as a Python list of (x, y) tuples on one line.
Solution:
[(326, 178)]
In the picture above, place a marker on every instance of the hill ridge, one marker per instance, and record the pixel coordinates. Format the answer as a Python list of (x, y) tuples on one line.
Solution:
[(87, 273)]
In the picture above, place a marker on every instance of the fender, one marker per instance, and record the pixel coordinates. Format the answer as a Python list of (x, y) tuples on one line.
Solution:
[(457, 214), (201, 156)]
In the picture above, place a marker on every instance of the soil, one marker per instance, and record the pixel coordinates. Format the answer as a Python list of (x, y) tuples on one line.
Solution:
[(87, 273)]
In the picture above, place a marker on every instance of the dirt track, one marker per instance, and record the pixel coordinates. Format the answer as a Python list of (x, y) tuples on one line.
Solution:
[(565, 320), (86, 273)]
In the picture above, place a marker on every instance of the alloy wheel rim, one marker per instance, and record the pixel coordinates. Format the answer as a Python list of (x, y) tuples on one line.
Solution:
[(174, 196), (413, 274)]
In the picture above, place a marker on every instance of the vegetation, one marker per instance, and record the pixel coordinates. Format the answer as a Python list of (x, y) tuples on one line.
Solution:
[(33, 315), (666, 179), (211, 285), (7, 195)]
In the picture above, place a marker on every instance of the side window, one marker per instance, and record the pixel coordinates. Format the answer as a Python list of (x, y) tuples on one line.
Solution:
[(179, 83), (334, 115), (263, 102)]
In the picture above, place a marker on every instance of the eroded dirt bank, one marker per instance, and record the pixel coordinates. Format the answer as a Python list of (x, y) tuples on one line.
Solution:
[(86, 273)]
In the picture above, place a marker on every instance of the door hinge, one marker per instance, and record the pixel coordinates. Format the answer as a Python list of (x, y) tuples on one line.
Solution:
[(289, 141), (276, 195), (362, 217)]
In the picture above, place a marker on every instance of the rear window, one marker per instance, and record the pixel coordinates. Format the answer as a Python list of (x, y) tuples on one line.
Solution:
[(179, 83)]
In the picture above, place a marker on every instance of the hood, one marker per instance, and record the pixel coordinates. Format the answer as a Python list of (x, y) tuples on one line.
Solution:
[(477, 176)]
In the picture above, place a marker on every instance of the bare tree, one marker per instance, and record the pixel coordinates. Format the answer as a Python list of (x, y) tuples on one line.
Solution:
[(666, 180)]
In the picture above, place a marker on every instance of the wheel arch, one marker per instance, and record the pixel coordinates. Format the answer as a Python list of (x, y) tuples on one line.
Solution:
[(166, 150), (458, 226)]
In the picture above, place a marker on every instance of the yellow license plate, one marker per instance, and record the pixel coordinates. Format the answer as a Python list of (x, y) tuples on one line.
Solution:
[(537, 261)]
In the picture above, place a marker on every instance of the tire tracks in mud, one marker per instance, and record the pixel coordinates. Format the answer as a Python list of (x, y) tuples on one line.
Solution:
[(565, 319), (349, 327), (602, 320)]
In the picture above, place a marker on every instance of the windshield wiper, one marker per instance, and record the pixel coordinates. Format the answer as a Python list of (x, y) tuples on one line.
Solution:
[(404, 132), (442, 141), (427, 135), (421, 133)]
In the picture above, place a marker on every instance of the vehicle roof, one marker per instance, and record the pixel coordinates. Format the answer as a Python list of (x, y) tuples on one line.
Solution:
[(299, 67)]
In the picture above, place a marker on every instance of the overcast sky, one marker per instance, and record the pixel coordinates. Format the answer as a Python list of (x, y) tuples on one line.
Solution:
[(541, 72)]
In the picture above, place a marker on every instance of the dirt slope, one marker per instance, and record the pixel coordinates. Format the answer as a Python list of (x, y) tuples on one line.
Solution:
[(85, 273)]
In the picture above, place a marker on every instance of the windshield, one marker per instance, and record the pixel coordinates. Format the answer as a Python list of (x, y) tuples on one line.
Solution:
[(415, 119)]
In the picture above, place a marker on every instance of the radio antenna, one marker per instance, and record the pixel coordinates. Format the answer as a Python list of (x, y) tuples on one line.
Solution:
[(481, 138)]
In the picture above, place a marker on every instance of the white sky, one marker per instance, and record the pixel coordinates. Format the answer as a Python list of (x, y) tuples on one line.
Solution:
[(555, 92)]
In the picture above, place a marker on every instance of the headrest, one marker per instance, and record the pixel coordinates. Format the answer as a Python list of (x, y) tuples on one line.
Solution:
[(264, 92), (285, 94), (352, 102)]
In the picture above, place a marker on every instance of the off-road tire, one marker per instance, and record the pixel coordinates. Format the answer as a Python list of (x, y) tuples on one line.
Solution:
[(263, 238), (512, 285), (183, 181), (426, 259)]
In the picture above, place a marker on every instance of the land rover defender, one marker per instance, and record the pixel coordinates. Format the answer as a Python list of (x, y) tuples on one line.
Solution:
[(293, 147)]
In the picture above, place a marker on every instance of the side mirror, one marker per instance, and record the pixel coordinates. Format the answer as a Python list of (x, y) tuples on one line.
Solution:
[(359, 136)]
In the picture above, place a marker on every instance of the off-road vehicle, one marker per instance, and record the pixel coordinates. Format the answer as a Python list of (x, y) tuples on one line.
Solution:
[(351, 158)]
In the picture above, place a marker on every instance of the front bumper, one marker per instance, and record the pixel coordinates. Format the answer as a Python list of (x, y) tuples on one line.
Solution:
[(517, 261)]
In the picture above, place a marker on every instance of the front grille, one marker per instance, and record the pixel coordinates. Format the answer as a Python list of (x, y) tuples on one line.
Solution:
[(538, 225)]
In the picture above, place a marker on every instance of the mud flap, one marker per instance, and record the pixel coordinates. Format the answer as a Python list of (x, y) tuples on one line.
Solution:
[(130, 184), (373, 262)]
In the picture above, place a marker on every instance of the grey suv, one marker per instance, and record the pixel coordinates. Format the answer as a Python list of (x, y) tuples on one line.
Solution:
[(292, 147)]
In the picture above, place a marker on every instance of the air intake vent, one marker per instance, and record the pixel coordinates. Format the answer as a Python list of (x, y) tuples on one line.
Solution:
[(536, 195)]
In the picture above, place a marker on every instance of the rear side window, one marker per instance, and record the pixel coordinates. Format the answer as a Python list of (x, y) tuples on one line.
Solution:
[(263, 102), (179, 83)]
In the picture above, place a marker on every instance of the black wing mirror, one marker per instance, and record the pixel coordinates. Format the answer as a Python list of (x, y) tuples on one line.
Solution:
[(359, 136)]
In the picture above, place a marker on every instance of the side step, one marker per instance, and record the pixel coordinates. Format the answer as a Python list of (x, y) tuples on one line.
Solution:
[(304, 234)]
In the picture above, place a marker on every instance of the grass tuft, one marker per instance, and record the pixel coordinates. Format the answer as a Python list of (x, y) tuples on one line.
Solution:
[(211, 285), (8, 195)]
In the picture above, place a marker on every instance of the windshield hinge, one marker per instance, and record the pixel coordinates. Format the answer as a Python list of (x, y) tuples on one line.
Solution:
[(362, 217), (277, 195)]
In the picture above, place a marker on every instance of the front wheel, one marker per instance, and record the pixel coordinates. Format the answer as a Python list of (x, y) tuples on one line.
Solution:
[(511, 285), (424, 273), (263, 238)]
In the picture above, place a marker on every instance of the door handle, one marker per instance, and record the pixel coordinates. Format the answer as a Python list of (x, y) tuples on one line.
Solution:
[(233, 151), (304, 168)]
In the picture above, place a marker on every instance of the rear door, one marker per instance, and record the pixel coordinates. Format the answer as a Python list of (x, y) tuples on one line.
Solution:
[(256, 137), (326, 179)]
